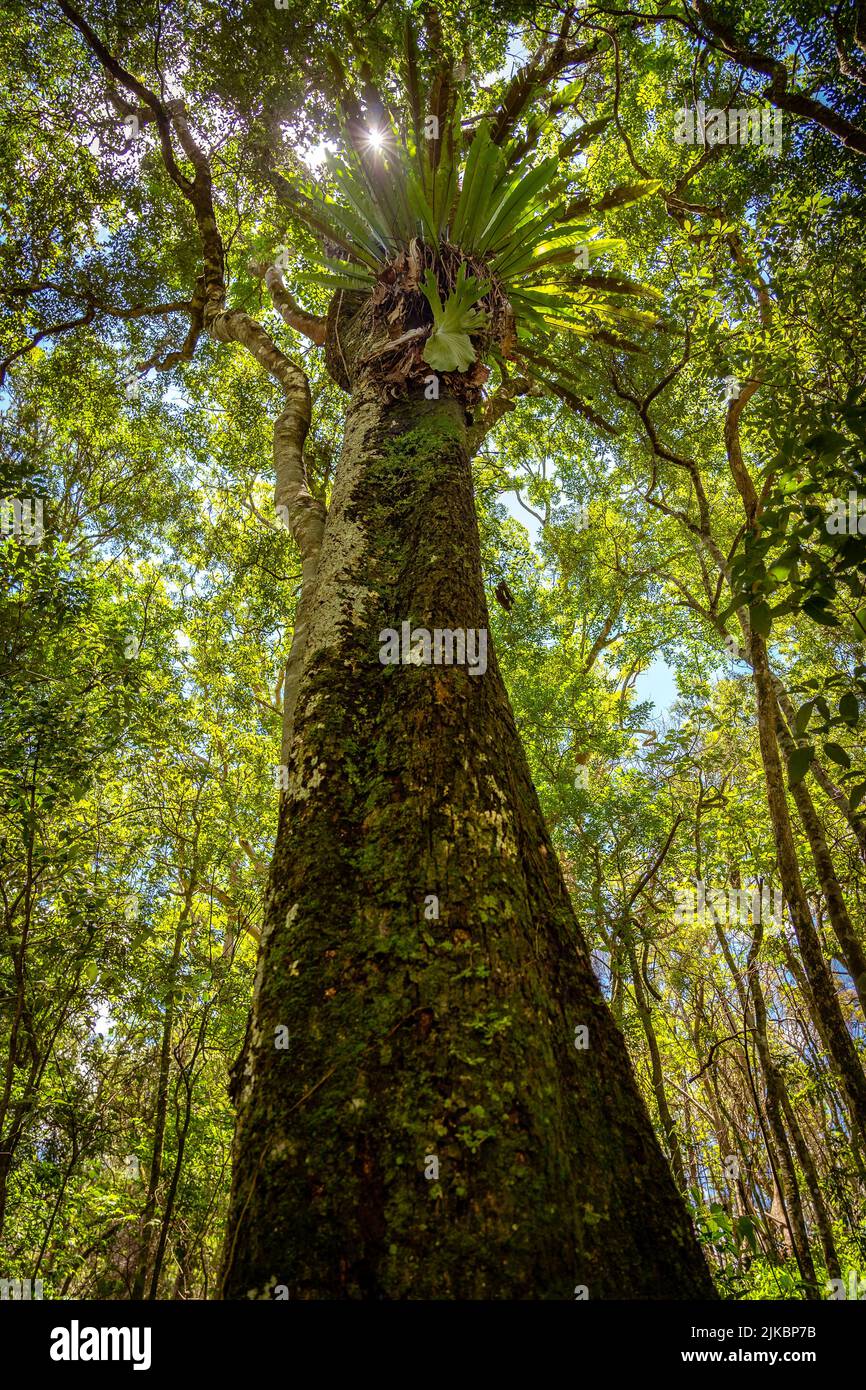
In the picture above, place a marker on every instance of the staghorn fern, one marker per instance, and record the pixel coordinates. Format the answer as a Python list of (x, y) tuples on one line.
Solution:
[(448, 348)]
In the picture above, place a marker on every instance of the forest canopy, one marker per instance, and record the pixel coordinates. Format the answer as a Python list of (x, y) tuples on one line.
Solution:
[(540, 321)]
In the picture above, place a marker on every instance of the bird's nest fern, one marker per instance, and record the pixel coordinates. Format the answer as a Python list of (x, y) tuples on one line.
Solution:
[(456, 248)]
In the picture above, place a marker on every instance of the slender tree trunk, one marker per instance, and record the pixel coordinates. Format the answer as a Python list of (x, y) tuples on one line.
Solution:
[(775, 1096), (816, 1196), (731, 1143), (432, 1129), (786, 1204), (853, 954), (834, 793), (780, 1218), (824, 995), (668, 1125), (22, 1039), (58, 1203), (187, 1078), (161, 1112)]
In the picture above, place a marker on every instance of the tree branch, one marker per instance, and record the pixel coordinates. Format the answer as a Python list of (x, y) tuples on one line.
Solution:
[(721, 37), (313, 326)]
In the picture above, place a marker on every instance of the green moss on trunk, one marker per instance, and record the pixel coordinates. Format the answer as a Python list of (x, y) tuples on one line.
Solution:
[(412, 1036)]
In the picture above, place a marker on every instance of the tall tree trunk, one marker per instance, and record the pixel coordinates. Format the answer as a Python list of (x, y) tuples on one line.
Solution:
[(668, 1124), (776, 1110), (825, 998), (833, 792), (421, 1044), (181, 1133), (161, 1109), (809, 1170), (853, 954), (787, 1206)]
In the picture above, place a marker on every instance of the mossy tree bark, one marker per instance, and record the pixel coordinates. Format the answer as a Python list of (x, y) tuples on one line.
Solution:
[(411, 1036)]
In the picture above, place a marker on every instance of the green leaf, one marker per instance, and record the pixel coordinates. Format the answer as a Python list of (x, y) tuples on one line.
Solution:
[(356, 283), (780, 569), (838, 754), (745, 1229), (760, 618), (802, 717), (449, 352), (422, 208), (827, 442), (514, 203), (849, 709), (485, 166), (798, 764), (817, 610)]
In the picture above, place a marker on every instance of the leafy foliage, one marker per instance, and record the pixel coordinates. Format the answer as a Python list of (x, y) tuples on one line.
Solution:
[(143, 644)]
